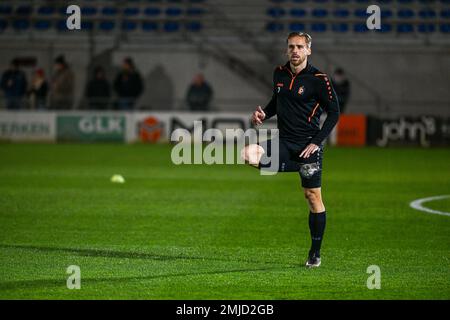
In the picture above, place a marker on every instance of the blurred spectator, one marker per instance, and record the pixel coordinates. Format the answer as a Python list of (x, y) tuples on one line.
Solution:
[(160, 94), (199, 94), (128, 85), (14, 86), (98, 90), (38, 91), (342, 87), (62, 86)]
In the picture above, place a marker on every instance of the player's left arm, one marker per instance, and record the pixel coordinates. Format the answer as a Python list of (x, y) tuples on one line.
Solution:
[(328, 100)]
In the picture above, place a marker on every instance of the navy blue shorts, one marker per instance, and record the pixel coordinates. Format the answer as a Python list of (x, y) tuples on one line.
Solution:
[(309, 169)]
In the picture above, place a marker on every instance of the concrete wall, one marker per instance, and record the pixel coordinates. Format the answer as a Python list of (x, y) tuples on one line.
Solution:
[(406, 79)]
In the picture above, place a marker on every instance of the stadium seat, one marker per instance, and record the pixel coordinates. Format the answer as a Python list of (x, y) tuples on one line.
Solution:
[(109, 11), (5, 9), (296, 1), (341, 13), (276, 12), (107, 25), (128, 25), (384, 1), (385, 27), (318, 27), (360, 28), (405, 28), (61, 25), (298, 13), (130, 12), (173, 12), (405, 13), (42, 25), (445, 14), (62, 11), (361, 13), (277, 1), (149, 26), (342, 1), (386, 13), (194, 26), (195, 11), (362, 1), (274, 27), (3, 24), (46, 10), (21, 24), (427, 13), (445, 28), (152, 11), (24, 10), (340, 27), (87, 25), (171, 26), (88, 11), (405, 1), (426, 27), (320, 13), (296, 27)]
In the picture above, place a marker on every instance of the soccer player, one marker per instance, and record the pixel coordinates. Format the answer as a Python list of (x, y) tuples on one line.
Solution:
[(300, 94)]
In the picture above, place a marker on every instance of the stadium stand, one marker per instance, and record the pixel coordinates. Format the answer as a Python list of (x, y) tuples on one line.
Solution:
[(272, 16), (406, 16), (254, 29)]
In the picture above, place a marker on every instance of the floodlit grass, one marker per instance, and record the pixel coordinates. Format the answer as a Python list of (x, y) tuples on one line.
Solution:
[(219, 231)]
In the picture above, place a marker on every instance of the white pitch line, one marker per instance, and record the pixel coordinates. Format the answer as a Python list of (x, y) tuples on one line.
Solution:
[(417, 204)]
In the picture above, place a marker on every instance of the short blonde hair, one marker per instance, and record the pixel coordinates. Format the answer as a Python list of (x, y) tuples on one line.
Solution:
[(307, 37)]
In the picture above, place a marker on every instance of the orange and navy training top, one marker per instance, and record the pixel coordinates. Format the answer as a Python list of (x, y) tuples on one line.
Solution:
[(298, 101)]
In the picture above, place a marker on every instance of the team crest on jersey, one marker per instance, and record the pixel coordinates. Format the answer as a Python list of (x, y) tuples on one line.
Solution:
[(279, 85), (301, 90)]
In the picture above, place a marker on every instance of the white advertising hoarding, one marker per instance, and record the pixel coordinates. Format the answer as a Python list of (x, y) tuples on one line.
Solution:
[(28, 126), (129, 127), (158, 126)]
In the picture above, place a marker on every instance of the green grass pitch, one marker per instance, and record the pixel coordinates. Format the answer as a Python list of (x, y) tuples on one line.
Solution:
[(220, 231)]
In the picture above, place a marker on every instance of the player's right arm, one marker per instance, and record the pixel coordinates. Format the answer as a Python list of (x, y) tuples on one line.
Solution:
[(269, 111), (258, 116)]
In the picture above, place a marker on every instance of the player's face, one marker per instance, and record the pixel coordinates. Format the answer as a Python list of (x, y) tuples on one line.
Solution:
[(297, 50)]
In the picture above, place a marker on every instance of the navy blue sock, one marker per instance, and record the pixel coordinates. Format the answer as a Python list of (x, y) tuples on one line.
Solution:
[(317, 222)]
